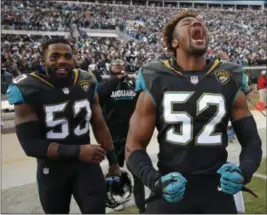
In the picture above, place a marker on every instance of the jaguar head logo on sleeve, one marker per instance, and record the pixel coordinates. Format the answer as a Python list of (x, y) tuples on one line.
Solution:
[(223, 76), (84, 84)]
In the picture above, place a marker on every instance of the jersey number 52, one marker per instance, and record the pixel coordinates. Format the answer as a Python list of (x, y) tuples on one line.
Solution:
[(206, 136), (51, 122)]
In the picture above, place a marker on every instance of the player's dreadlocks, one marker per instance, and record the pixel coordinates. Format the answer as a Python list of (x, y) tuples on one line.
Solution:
[(168, 29)]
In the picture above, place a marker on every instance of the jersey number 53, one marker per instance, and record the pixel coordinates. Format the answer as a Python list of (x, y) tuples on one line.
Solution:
[(52, 122)]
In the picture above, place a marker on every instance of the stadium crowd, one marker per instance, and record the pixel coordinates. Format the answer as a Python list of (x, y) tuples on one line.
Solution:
[(241, 34)]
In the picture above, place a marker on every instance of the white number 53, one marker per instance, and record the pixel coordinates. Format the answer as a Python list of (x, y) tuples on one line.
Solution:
[(52, 122), (206, 135)]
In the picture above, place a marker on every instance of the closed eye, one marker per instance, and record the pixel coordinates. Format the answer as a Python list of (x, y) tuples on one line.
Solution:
[(186, 23)]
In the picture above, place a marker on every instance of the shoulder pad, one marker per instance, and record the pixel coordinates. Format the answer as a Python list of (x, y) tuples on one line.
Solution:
[(155, 67), (30, 83), (84, 75), (87, 81), (14, 95), (148, 73), (238, 74), (27, 84), (232, 67), (146, 78), (21, 79), (15, 91)]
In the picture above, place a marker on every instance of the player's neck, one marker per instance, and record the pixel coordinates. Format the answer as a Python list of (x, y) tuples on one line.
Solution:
[(191, 63)]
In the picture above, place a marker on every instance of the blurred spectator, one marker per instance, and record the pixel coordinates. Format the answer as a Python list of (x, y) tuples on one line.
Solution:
[(262, 86), (254, 82), (238, 34)]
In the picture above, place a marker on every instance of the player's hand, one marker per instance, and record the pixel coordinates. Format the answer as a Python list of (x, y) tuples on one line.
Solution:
[(92, 153), (114, 170), (173, 187), (231, 181)]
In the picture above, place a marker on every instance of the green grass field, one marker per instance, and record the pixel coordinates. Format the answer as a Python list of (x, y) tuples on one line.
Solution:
[(263, 167), (253, 205)]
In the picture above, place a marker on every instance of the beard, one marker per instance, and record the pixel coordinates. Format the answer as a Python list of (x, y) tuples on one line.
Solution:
[(197, 52), (57, 81)]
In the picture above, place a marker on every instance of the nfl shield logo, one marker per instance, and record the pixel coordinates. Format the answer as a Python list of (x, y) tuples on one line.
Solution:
[(66, 90), (45, 170), (194, 79)]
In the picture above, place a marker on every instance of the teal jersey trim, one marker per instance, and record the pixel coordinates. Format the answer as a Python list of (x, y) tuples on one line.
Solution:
[(14, 95), (244, 84), (96, 88), (140, 85)]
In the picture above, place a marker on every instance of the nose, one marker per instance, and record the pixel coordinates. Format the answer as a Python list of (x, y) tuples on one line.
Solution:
[(197, 23), (61, 59)]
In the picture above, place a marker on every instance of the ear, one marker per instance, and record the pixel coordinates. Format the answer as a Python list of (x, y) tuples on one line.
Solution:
[(175, 43)]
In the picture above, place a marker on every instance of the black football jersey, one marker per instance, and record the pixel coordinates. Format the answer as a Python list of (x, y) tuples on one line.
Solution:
[(118, 108), (193, 110), (65, 113)]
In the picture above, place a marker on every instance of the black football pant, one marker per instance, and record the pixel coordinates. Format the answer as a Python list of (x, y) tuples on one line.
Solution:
[(201, 196), (58, 181), (138, 189)]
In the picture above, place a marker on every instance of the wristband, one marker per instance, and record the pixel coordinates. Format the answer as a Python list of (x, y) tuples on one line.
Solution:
[(111, 156), (68, 151)]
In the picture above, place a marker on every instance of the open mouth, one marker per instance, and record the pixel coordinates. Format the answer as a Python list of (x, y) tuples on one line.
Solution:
[(198, 35), (62, 71)]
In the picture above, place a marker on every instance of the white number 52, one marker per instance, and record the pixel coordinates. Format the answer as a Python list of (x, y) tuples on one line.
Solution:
[(206, 136)]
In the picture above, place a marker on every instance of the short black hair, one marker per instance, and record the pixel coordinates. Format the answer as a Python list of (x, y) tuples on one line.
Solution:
[(169, 28), (49, 42)]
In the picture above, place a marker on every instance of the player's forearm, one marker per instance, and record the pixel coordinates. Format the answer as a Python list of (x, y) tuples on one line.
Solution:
[(131, 146), (251, 152), (103, 137), (141, 165), (34, 145), (137, 158), (102, 133), (141, 130)]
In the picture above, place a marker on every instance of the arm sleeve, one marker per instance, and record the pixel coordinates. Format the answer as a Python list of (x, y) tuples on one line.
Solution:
[(31, 139), (251, 152)]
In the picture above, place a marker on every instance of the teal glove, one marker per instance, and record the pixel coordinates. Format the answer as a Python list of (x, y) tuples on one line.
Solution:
[(231, 181), (173, 187)]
